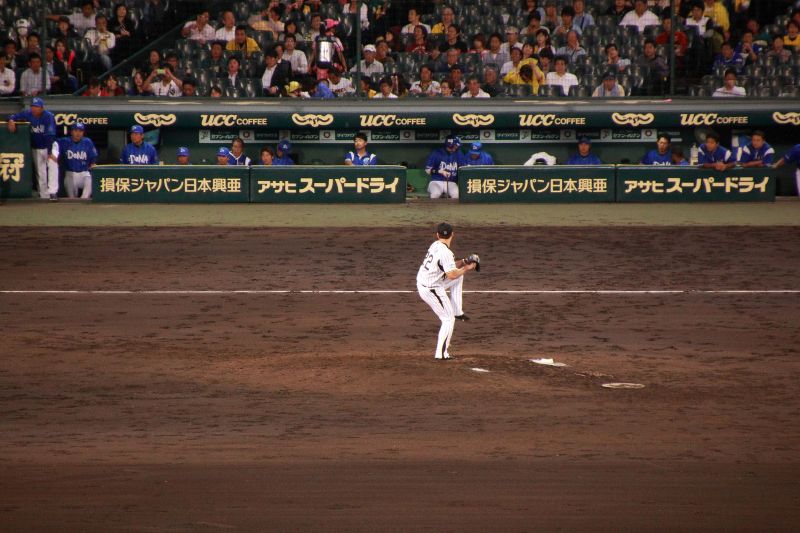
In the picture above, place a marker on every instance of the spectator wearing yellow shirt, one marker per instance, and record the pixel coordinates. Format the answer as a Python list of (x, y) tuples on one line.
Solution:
[(717, 12), (528, 74), (792, 37), (242, 43), (448, 18)]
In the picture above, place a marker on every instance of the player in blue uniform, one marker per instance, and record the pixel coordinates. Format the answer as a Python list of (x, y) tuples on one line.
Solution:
[(79, 155), (584, 156), (476, 156), (236, 154), (442, 167), (223, 156), (661, 155), (182, 156), (138, 152), (712, 155), (792, 156), (43, 133), (677, 156), (282, 154), (758, 153), (360, 156)]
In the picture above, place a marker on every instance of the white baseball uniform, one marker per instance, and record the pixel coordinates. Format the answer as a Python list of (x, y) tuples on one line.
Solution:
[(46, 172), (432, 285)]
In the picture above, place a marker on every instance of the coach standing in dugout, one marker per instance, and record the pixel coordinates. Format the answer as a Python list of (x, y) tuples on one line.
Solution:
[(79, 155), (360, 156), (43, 133), (138, 152)]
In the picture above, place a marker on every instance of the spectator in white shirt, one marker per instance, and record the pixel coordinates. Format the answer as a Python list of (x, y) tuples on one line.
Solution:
[(101, 40), (413, 22), (80, 21), (294, 56), (729, 88), (228, 30), (613, 60), (609, 88), (516, 57), (641, 17), (161, 82), (338, 85), (426, 84), (697, 20), (561, 77), (512, 38), (385, 89), (30, 83), (474, 89), (8, 79), (198, 30), (368, 65), (573, 48)]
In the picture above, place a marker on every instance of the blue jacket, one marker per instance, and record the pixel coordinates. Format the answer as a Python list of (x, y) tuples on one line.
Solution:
[(43, 129), (654, 158), (482, 159), (139, 155), (77, 157), (590, 159), (242, 160), (765, 154), (368, 159), (440, 159), (282, 161), (721, 154)]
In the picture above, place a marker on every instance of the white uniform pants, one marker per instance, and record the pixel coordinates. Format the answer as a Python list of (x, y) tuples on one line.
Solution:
[(438, 188), (46, 172), (75, 181), (446, 308)]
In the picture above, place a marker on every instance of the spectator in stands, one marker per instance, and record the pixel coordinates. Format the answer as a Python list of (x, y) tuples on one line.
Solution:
[(233, 75), (155, 17), (792, 38), (8, 78), (792, 156), (226, 32), (64, 29), (30, 83), (369, 65), (448, 18), (383, 53), (729, 87), (567, 22), (419, 43), (453, 40), (529, 7), (550, 20), (13, 60), (426, 84), (527, 74), (662, 155), (716, 11), (111, 87), (80, 21), (328, 38), (56, 72), (351, 8), (291, 28), (215, 92), (697, 21), (546, 62), (779, 51), (491, 81), (282, 154), (198, 29), (677, 156), (495, 54), (573, 49), (267, 156), (33, 47), (276, 75), (513, 64), (161, 82), (295, 90), (153, 62), (64, 54), (584, 155), (101, 41), (446, 90), (94, 88), (294, 57), (641, 17), (561, 77), (512, 38), (657, 69), (582, 19), (456, 80), (609, 87), (315, 27), (172, 60), (223, 156), (339, 85), (414, 22), (760, 37), (758, 153), (712, 155), (137, 87), (385, 89), (681, 40), (138, 152), (729, 60), (613, 60), (474, 89), (242, 44), (367, 89), (399, 85), (452, 58), (359, 155), (215, 63), (747, 48), (189, 87), (534, 25), (124, 29), (618, 9), (542, 43)]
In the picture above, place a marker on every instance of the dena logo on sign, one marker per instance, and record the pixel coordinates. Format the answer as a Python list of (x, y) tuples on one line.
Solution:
[(710, 119), (231, 120), (373, 121)]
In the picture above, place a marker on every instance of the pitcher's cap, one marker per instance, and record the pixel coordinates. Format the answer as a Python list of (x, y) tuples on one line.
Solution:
[(444, 230)]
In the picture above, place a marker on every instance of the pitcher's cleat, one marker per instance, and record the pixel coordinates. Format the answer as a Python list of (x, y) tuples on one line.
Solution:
[(463, 317)]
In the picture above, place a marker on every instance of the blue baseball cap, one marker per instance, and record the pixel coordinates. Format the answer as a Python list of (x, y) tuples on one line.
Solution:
[(284, 145), (79, 126), (137, 129), (37, 102), (223, 152), (476, 148), (584, 140), (183, 151), (452, 141)]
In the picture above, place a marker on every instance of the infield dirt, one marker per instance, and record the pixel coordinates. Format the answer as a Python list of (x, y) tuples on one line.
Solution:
[(327, 411)]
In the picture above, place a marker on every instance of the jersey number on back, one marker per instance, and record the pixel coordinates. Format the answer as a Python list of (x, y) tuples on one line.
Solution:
[(427, 261)]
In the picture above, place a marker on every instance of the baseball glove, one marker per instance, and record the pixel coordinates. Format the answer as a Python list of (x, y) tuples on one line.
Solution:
[(474, 258)]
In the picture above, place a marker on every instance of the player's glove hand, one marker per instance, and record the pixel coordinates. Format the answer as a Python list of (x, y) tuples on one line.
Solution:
[(474, 259)]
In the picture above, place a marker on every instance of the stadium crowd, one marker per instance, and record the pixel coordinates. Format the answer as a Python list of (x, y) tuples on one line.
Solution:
[(467, 49)]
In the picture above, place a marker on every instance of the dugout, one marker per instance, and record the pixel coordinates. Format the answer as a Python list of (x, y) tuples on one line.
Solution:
[(405, 131)]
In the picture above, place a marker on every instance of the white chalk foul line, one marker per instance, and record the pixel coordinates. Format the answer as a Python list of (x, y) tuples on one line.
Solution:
[(201, 292)]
